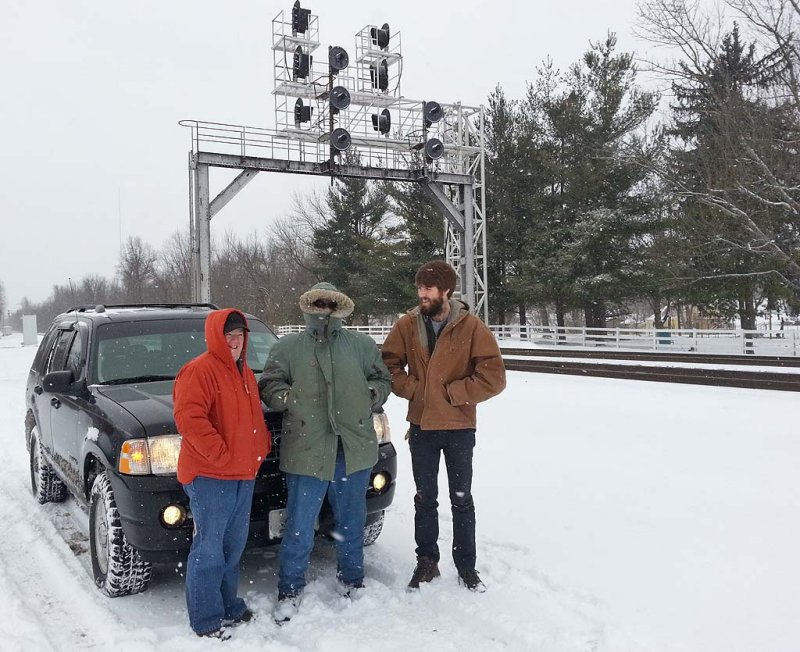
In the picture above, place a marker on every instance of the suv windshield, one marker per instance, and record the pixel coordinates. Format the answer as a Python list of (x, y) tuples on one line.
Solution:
[(140, 351)]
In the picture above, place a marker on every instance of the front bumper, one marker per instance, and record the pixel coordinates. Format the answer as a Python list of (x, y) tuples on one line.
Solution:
[(141, 499)]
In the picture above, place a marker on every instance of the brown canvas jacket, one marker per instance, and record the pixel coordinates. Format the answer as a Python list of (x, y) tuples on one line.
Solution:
[(443, 389)]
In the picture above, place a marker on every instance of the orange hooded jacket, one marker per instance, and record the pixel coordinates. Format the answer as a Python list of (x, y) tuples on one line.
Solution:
[(218, 412)]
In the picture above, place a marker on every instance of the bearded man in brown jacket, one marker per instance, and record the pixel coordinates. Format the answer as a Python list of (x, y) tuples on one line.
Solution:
[(444, 360)]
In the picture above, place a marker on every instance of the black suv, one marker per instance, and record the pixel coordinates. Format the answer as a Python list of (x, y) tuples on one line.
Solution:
[(99, 424)]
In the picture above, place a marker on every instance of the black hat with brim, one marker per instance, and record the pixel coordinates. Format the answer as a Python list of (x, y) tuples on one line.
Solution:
[(234, 321)]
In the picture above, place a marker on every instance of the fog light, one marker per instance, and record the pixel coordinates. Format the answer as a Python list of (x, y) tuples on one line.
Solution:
[(173, 515), (379, 482)]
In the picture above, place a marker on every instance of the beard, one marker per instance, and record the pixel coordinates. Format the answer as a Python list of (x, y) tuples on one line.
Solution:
[(432, 308)]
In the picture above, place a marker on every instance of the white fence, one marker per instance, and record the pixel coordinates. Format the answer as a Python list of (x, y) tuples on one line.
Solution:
[(679, 340), (687, 340), (377, 332)]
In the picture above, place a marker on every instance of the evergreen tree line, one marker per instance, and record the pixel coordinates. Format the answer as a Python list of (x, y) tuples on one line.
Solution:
[(620, 205), (603, 199)]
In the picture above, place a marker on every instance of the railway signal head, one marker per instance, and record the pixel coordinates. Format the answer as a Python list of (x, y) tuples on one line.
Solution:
[(379, 75), (380, 36), (301, 64), (340, 140), (300, 18), (301, 113), (338, 59), (382, 122)]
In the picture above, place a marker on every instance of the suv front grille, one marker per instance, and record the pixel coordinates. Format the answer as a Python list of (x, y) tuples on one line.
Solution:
[(270, 490)]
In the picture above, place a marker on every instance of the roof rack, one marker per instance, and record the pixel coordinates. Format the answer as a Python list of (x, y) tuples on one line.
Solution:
[(103, 307)]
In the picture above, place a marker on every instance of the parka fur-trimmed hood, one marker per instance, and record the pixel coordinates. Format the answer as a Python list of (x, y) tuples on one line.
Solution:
[(344, 304)]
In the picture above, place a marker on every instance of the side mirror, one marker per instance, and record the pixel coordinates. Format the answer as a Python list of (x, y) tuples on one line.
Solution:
[(59, 382)]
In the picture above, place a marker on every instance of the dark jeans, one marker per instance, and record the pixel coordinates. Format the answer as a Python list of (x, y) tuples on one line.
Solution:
[(426, 449), (221, 510)]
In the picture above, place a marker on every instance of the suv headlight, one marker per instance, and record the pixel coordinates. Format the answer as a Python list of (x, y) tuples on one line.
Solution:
[(151, 455), (381, 423)]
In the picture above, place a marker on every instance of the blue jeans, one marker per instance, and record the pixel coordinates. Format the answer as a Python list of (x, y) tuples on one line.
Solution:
[(221, 511), (427, 447), (347, 495)]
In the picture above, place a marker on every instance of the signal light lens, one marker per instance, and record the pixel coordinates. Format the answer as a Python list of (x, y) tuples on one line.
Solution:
[(432, 112), (338, 58), (340, 139), (434, 148), (339, 98)]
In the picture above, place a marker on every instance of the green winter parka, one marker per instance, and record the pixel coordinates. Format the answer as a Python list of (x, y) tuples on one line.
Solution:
[(329, 381)]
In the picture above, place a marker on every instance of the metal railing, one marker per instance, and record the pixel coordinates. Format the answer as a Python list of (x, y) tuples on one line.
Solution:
[(679, 340), (243, 140)]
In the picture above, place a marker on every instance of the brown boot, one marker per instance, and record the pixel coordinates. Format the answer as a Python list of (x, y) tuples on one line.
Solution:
[(426, 570)]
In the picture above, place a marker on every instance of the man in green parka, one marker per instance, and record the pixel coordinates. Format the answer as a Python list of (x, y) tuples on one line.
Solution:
[(328, 380)]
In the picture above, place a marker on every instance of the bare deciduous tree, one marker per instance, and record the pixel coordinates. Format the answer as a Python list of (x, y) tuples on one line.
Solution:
[(174, 269), (137, 270), (745, 145)]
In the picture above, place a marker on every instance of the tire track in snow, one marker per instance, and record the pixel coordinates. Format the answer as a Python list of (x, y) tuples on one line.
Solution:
[(47, 583), (58, 605)]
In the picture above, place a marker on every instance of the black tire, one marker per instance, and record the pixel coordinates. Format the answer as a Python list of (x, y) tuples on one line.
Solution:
[(46, 486), (116, 565), (373, 530)]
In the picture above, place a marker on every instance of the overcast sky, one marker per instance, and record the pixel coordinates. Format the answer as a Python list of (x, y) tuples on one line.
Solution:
[(93, 91)]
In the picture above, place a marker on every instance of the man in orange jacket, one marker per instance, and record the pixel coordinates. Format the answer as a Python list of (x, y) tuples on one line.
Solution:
[(225, 440)]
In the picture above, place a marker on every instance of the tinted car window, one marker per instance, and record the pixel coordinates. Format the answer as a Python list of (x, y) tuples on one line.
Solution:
[(75, 357), (159, 348), (58, 358), (259, 342), (46, 348)]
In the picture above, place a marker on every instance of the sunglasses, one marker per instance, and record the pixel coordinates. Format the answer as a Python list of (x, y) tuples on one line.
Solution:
[(324, 303)]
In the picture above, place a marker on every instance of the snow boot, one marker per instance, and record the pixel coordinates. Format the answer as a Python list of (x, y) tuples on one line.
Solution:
[(471, 579), (221, 634), (286, 607), (246, 617), (427, 569), (350, 591)]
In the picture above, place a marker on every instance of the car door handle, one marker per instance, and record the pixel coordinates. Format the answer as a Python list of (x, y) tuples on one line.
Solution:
[(37, 390), (55, 402)]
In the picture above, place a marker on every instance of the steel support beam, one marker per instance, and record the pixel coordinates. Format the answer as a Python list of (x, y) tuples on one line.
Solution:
[(321, 169), (463, 207), (201, 236), (231, 191), (468, 271), (203, 211), (459, 234), (437, 195)]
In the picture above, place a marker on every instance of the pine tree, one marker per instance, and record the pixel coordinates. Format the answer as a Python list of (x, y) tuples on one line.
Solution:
[(597, 210), (420, 239), (721, 128), (357, 249), (513, 181)]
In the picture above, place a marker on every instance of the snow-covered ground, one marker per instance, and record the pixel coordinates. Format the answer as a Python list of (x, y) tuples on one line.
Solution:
[(613, 516), (659, 363)]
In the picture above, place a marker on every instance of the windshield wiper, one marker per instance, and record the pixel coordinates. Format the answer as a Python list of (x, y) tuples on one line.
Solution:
[(137, 379)]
